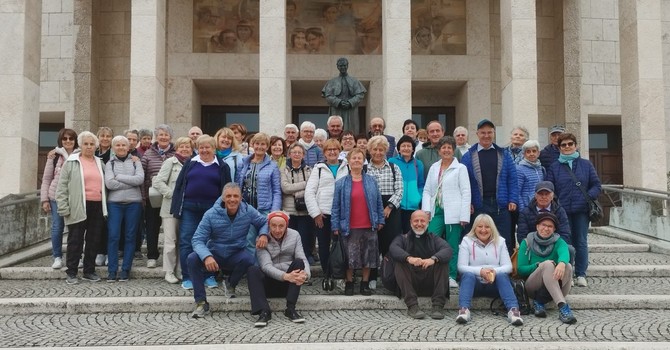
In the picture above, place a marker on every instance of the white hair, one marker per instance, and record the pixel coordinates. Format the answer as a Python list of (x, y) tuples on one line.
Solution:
[(334, 117), (87, 134), (461, 128), (530, 144), (307, 124), (121, 138), (320, 134), (291, 126)]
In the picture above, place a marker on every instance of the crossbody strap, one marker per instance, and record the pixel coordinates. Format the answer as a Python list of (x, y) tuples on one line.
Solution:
[(578, 184)]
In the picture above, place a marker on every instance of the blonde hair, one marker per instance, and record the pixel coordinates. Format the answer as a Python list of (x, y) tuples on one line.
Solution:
[(182, 140), (353, 151), (487, 220), (260, 137), (206, 139), (377, 141), (227, 132)]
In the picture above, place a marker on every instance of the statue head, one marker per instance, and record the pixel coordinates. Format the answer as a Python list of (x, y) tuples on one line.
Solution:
[(342, 65)]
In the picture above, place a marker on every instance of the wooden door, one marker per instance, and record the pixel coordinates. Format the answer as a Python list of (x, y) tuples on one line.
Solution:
[(605, 153)]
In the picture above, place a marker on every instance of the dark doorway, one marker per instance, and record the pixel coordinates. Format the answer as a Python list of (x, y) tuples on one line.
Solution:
[(216, 117), (605, 153), (319, 116), (445, 115)]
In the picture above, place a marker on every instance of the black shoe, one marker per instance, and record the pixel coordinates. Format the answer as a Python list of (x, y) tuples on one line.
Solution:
[(365, 288), (93, 277), (349, 288), (266, 315), (294, 316)]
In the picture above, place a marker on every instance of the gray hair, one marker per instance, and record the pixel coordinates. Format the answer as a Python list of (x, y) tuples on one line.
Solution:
[(447, 140), (131, 131), (461, 128), (164, 127), (105, 129), (297, 145), (523, 130), (291, 126), (145, 132), (530, 144), (320, 134), (334, 117), (231, 185), (307, 124), (121, 138), (87, 134)]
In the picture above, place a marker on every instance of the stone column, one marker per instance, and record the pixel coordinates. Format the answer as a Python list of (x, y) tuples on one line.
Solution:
[(642, 94), (147, 64), (20, 37), (569, 102), (274, 102), (519, 65), (84, 72), (397, 64)]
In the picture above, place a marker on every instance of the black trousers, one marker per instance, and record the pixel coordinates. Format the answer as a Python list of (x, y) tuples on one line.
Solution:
[(415, 281), (262, 287), (88, 231), (153, 222), (392, 228)]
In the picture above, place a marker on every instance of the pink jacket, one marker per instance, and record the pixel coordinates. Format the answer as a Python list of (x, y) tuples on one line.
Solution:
[(52, 174)]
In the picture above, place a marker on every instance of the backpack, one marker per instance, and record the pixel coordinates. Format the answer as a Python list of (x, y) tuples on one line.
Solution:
[(519, 287)]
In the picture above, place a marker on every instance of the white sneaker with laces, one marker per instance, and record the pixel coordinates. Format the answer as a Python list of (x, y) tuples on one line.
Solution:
[(58, 263), (452, 283), (463, 316), (514, 317), (171, 278), (581, 281)]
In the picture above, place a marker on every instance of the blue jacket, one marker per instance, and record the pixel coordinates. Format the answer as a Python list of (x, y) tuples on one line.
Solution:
[(268, 183), (313, 155), (507, 187), (217, 233), (528, 215), (413, 181), (182, 182), (528, 177), (234, 159), (571, 198), (549, 155), (342, 204)]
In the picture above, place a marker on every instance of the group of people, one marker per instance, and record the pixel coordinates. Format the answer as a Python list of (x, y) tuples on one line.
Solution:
[(268, 207)]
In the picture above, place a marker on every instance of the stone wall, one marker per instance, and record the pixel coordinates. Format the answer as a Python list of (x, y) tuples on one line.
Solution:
[(56, 57), (22, 224)]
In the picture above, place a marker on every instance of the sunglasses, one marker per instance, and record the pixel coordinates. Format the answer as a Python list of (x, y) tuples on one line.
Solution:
[(67, 138), (567, 144)]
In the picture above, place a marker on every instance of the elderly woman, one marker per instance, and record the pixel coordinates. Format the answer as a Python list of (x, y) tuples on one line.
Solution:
[(123, 178), (529, 172), (572, 199), (313, 152), (199, 185), (146, 136), (390, 183), (319, 195), (518, 137), (165, 182), (240, 132), (82, 202), (320, 136), (103, 152), (358, 215), (152, 161), (484, 264), (227, 149), (67, 144), (446, 196), (277, 151), (293, 183), (545, 261), (412, 179)]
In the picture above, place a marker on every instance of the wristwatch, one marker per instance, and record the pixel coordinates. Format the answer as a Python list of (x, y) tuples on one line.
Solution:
[(435, 259)]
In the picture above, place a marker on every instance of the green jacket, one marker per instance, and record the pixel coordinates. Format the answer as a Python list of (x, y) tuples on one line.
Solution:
[(70, 194), (527, 261)]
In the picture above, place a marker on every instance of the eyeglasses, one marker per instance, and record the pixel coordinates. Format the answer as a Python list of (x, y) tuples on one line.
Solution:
[(347, 138), (332, 150), (547, 226), (567, 144), (296, 152), (68, 138)]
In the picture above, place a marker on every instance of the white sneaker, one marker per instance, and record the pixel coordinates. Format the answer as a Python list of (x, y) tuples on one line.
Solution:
[(171, 278), (100, 260), (514, 317), (58, 263), (452, 283), (581, 281), (339, 284), (81, 262), (372, 284), (151, 263), (463, 316)]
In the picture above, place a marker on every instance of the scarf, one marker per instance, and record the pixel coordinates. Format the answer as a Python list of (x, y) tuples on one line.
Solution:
[(180, 158), (568, 158), (536, 164), (224, 153), (122, 159), (305, 144), (541, 247)]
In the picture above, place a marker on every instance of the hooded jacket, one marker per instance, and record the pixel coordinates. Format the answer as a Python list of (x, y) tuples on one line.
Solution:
[(52, 174), (124, 180), (71, 194), (320, 188), (473, 256)]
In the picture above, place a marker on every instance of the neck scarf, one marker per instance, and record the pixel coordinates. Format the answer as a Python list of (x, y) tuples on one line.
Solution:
[(535, 165), (568, 158), (224, 153), (123, 159), (541, 246), (305, 144), (180, 158)]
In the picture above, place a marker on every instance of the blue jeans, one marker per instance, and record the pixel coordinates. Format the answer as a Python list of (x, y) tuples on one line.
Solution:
[(579, 228), (130, 215), (238, 263), (57, 227), (192, 213), (501, 217), (472, 286)]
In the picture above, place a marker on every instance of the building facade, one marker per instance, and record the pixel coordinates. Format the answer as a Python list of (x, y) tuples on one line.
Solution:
[(600, 67)]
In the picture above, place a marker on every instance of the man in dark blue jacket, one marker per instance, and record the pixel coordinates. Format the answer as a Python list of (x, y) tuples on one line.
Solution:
[(550, 153)]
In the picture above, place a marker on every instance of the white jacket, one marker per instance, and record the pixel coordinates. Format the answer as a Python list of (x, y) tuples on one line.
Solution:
[(320, 188), (473, 256), (165, 181), (455, 192)]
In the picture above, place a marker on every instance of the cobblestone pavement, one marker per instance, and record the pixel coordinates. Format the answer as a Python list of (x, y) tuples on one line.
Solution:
[(325, 326), (628, 259), (160, 288)]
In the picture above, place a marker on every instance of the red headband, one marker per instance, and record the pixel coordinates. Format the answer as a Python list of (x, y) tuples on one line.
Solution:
[(278, 214)]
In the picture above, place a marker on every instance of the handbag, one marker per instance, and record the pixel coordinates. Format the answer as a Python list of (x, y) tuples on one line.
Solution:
[(339, 260), (595, 209), (300, 204), (515, 264), (155, 197)]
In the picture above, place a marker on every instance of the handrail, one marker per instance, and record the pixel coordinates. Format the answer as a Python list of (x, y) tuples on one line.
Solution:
[(21, 198), (638, 191)]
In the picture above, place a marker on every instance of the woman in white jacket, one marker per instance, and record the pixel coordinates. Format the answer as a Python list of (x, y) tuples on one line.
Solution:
[(446, 197), (484, 264)]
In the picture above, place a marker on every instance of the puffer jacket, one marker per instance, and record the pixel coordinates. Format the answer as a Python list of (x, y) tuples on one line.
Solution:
[(313, 154), (217, 233), (277, 257), (152, 161), (268, 182), (568, 194), (293, 183), (528, 216), (52, 174), (165, 181), (71, 194), (182, 183), (549, 155), (507, 185), (527, 177), (234, 159), (473, 256), (320, 188), (342, 204), (413, 181), (124, 180)]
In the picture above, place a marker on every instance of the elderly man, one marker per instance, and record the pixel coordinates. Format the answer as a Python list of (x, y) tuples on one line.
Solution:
[(422, 267), (220, 242), (377, 127), (335, 125), (194, 133), (290, 135), (493, 181), (430, 152), (551, 152), (461, 136), (282, 269)]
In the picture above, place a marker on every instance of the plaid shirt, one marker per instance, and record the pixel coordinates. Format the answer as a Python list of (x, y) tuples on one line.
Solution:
[(384, 178)]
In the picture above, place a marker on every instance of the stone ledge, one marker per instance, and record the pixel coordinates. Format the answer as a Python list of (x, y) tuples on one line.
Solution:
[(655, 245)]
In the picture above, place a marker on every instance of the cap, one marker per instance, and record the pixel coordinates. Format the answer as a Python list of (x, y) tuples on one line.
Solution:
[(556, 128), (546, 216), (278, 214), (544, 186), (485, 122)]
